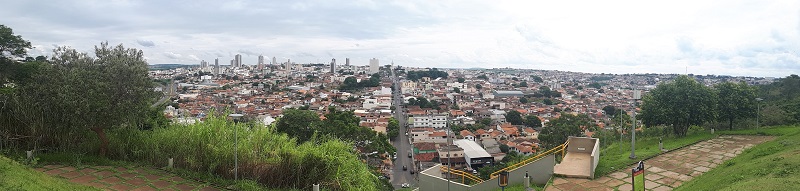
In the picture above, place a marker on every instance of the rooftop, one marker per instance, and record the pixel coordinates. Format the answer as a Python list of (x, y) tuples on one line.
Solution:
[(472, 149)]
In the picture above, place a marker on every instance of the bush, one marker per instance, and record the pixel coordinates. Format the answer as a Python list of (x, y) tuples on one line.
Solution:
[(272, 159)]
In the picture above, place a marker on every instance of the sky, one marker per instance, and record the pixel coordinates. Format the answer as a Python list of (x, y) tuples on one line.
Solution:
[(721, 37)]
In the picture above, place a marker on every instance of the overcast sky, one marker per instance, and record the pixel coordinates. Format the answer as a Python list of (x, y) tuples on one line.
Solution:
[(724, 37)]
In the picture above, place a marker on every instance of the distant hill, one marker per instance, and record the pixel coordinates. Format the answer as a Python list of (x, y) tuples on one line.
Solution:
[(169, 66)]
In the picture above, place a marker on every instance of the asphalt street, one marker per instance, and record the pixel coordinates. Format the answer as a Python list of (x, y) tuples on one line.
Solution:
[(401, 142)]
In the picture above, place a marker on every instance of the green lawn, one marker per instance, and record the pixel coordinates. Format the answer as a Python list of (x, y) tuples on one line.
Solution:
[(613, 158), (773, 165), (15, 176)]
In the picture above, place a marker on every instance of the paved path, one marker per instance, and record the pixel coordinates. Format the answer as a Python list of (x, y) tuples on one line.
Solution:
[(122, 178), (670, 170)]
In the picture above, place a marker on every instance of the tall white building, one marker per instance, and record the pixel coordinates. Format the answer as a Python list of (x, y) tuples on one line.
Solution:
[(347, 62), (238, 59), (274, 60), (333, 65), (216, 66), (203, 64), (373, 66), (260, 62)]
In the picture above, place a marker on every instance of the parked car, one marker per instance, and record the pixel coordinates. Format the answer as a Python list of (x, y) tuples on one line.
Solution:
[(405, 185), (412, 171), (409, 155), (404, 168)]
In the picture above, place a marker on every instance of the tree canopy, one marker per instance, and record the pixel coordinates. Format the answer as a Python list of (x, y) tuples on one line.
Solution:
[(432, 73), (681, 103), (558, 130), (514, 117), (532, 121), (12, 45), (736, 100)]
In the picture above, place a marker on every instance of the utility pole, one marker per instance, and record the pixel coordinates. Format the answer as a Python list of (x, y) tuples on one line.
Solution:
[(637, 94), (758, 112)]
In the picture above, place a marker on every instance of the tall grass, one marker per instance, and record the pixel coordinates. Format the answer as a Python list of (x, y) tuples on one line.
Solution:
[(270, 158)]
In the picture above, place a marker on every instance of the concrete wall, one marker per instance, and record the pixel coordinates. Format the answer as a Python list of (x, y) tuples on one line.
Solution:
[(540, 172), (586, 143), (595, 156)]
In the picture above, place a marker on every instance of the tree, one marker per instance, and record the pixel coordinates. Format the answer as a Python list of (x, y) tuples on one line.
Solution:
[(483, 76), (297, 123), (523, 84), (523, 100), (610, 110), (558, 130), (393, 129), (456, 90), (514, 117), (533, 121), (12, 45), (461, 80), (106, 91), (478, 86), (735, 101), (504, 148), (537, 79), (681, 103), (486, 121), (547, 102)]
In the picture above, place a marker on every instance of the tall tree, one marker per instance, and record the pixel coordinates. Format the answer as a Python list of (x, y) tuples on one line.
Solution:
[(610, 110), (514, 117), (558, 130), (106, 91), (297, 123), (533, 121), (12, 45), (681, 103), (735, 101)]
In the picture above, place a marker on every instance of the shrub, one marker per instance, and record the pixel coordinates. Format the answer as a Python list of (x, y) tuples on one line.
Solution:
[(272, 159)]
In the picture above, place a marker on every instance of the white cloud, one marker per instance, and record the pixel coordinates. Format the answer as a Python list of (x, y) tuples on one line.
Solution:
[(619, 36)]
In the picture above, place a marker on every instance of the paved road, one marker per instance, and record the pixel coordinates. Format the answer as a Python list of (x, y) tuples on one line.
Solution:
[(670, 170), (170, 92), (401, 142)]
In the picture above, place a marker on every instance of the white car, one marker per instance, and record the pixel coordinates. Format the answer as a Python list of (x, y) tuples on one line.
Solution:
[(405, 185)]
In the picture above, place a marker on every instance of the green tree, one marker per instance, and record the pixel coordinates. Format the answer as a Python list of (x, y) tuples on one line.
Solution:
[(558, 130), (456, 90), (735, 101), (610, 110), (461, 80), (486, 121), (393, 129), (106, 91), (681, 103), (523, 84), (12, 45), (514, 117), (523, 100), (537, 79), (533, 121), (478, 86), (483, 76), (297, 123), (547, 102), (504, 148)]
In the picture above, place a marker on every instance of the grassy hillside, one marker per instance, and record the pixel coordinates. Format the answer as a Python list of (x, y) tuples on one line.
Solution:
[(14, 176), (774, 165)]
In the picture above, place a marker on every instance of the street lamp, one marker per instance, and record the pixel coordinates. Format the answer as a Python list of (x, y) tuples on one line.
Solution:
[(236, 118), (637, 94), (758, 111)]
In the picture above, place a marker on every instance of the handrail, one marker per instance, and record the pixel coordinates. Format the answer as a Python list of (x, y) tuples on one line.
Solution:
[(560, 148), (462, 174)]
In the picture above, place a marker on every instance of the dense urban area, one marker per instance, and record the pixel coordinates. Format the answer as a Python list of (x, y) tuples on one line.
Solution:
[(345, 124)]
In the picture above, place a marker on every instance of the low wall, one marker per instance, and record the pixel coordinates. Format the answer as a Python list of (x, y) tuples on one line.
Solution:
[(540, 172)]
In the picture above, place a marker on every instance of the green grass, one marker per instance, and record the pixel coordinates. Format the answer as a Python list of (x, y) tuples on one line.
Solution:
[(774, 165), (14, 176), (613, 158)]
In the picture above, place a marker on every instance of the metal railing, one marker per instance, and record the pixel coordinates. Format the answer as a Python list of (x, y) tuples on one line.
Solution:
[(464, 175), (560, 148)]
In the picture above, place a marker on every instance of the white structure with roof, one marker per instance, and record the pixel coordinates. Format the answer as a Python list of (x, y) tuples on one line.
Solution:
[(474, 154)]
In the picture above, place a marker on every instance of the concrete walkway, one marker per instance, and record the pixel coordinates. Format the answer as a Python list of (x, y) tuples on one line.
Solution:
[(122, 178), (670, 170)]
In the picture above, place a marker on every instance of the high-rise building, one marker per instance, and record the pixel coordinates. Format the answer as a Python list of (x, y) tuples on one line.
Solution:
[(260, 62), (333, 65), (274, 60), (203, 64), (347, 62), (216, 66), (233, 63), (238, 59), (373, 66)]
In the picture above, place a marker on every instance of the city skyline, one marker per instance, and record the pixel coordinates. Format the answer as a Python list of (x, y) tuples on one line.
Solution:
[(746, 38)]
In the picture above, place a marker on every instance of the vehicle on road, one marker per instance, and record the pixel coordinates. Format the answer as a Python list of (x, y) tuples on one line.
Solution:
[(409, 155), (404, 168), (412, 171), (405, 185)]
